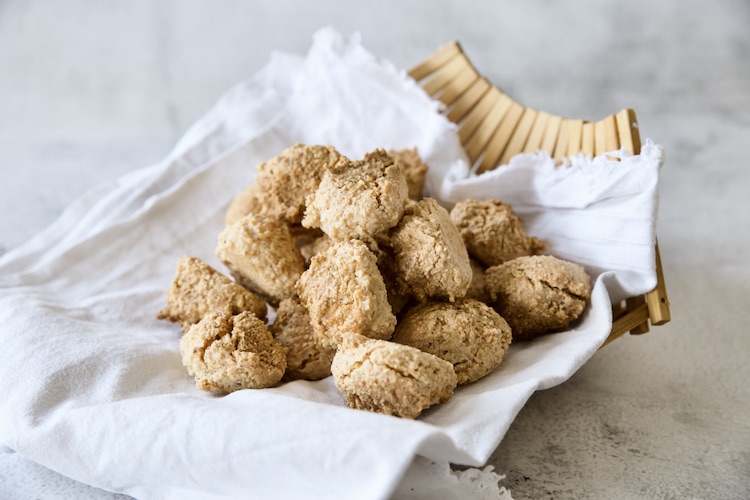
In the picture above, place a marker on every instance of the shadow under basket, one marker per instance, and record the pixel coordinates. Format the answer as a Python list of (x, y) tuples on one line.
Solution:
[(493, 128)]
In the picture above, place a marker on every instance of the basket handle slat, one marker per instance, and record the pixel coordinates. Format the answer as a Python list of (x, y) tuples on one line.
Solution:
[(534, 142), (446, 73), (436, 60), (587, 139), (477, 114), (600, 138), (458, 86), (575, 131), (561, 144), (520, 135), (611, 139), (550, 134), (468, 100), (478, 142), (627, 131), (501, 138)]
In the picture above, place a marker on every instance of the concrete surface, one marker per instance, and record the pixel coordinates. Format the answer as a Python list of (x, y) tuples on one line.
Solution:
[(91, 90)]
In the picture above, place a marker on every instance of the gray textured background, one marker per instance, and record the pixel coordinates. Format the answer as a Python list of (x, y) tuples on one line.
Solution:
[(91, 90)]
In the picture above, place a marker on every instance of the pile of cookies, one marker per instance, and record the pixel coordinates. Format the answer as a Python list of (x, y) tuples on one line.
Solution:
[(397, 298)]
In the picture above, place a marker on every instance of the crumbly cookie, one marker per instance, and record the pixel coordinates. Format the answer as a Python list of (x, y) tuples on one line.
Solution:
[(467, 333), (492, 232), (389, 378), (344, 293), (198, 289), (415, 171), (245, 202), (284, 182), (429, 258), (478, 286), (358, 199), (262, 256), (538, 294), (226, 353), (307, 358)]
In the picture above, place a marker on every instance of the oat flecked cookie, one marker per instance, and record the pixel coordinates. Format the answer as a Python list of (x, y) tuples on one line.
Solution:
[(344, 293), (538, 294), (391, 378), (358, 199), (429, 258), (262, 256), (284, 182), (226, 353), (245, 202), (307, 357), (415, 171), (467, 333), (492, 232), (198, 289)]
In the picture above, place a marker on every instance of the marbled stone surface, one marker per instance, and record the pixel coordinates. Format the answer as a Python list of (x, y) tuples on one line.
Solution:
[(91, 90)]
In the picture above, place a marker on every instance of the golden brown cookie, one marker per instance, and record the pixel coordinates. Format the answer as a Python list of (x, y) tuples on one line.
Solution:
[(226, 353), (492, 232), (284, 182), (467, 333), (389, 378), (538, 294), (415, 171), (244, 203), (429, 258), (358, 199), (262, 256), (306, 358), (344, 293), (198, 289)]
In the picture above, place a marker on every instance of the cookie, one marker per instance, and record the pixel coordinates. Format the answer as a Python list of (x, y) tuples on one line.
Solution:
[(198, 289), (492, 232), (245, 202), (262, 256), (226, 353), (389, 378), (429, 258), (467, 333), (344, 294), (415, 171), (285, 182), (307, 357), (538, 294), (358, 199)]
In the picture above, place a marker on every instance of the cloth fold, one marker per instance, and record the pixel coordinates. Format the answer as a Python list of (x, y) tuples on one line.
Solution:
[(92, 386)]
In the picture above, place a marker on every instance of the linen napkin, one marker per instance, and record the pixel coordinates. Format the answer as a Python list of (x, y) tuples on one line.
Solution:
[(92, 385)]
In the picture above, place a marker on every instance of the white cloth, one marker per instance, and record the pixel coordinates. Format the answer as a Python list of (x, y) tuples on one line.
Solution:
[(92, 386)]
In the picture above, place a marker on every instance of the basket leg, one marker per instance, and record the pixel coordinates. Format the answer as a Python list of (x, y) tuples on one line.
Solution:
[(657, 300), (633, 304)]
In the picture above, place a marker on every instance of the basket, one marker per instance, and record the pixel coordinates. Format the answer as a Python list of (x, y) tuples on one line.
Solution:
[(493, 128)]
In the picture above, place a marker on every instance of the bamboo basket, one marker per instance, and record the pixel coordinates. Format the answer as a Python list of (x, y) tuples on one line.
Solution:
[(493, 128)]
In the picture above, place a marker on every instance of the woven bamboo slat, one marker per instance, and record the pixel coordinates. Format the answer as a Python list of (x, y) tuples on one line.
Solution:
[(493, 128)]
